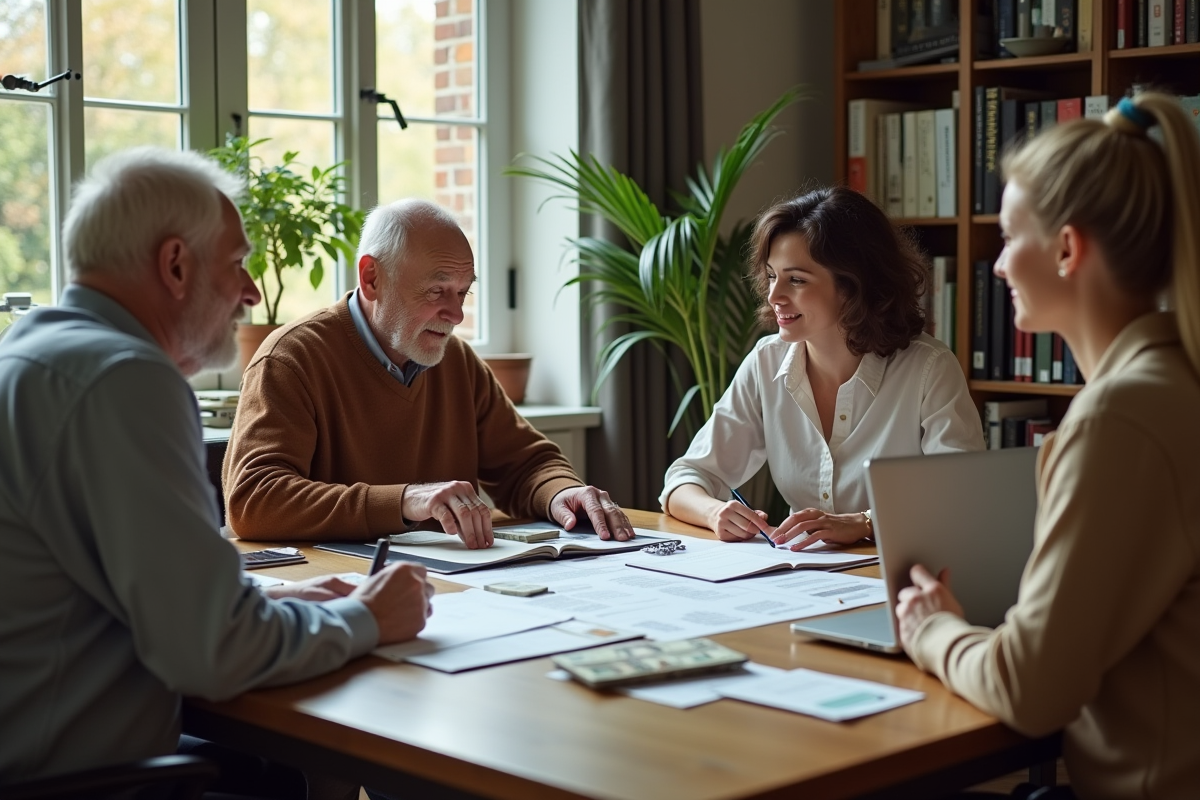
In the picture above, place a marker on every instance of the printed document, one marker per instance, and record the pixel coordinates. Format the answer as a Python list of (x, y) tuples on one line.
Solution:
[(819, 694), (722, 561)]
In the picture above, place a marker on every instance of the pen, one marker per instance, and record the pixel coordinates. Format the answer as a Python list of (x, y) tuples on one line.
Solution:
[(381, 554), (738, 496)]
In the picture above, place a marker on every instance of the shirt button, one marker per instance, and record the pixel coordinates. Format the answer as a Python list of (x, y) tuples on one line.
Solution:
[(825, 496), (843, 418)]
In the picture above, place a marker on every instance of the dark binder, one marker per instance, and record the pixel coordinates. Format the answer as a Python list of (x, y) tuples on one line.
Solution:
[(981, 281)]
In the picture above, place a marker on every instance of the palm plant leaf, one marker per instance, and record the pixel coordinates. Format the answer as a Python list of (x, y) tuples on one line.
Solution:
[(683, 285)]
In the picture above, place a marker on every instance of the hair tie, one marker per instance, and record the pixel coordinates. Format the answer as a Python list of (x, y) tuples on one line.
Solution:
[(1134, 114)]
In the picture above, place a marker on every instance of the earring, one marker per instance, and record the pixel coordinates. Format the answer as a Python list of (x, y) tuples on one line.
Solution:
[(1062, 272)]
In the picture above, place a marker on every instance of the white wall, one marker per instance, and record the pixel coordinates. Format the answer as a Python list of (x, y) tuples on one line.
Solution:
[(545, 120), (752, 51)]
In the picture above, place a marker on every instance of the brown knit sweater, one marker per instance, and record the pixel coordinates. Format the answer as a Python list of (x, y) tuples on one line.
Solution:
[(325, 440)]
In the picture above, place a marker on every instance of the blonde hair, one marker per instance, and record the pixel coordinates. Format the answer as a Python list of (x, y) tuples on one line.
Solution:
[(1137, 198)]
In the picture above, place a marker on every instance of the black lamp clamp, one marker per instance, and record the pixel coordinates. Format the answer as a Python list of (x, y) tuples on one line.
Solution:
[(14, 82), (372, 96)]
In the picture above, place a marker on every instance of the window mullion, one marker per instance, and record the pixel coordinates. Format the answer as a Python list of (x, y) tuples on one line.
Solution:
[(198, 73), (65, 22)]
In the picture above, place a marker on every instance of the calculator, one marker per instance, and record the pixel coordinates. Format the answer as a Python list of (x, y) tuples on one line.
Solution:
[(275, 557)]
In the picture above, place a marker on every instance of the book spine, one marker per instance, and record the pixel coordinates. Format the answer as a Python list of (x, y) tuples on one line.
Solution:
[(1095, 106), (1043, 358), (1056, 358), (1033, 115), (926, 164), (1025, 18), (939, 14), (1179, 26), (1070, 371), (877, 168), (1070, 108), (918, 21), (1006, 24), (937, 296), (1028, 345), (1064, 19), (883, 28), (945, 131), (981, 282), (1193, 21), (894, 166), (856, 146), (1018, 353), (1013, 432), (977, 138), (1048, 114), (1012, 129), (909, 139), (900, 30), (1125, 34), (991, 151), (1036, 431), (950, 307), (999, 359), (1140, 22), (1156, 24), (1083, 26)]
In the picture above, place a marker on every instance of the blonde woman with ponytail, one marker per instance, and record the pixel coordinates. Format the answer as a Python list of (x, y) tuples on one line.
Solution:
[(1101, 228)]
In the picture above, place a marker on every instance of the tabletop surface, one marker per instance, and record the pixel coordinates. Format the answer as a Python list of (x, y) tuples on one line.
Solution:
[(510, 732)]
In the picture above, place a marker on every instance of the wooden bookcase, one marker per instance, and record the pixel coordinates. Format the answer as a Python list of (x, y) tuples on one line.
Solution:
[(971, 237)]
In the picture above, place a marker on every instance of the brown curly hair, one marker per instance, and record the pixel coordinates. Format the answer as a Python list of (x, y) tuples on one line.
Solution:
[(878, 270)]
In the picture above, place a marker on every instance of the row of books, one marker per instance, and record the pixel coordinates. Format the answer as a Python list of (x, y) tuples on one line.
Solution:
[(913, 32), (1003, 118), (1000, 352), (1157, 23), (903, 157), (1070, 19), (1016, 423)]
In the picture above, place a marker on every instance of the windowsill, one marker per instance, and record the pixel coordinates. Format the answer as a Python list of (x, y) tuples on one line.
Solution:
[(543, 418)]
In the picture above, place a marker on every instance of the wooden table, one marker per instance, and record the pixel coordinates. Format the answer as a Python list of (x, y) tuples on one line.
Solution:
[(509, 732)]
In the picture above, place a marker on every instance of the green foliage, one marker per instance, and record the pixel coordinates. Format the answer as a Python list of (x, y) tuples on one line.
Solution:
[(294, 218), (683, 283)]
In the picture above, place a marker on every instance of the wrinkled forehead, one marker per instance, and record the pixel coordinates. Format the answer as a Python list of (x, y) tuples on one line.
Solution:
[(440, 254)]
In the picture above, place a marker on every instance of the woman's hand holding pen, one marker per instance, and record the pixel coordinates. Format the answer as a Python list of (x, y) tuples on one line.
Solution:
[(735, 522), (813, 525)]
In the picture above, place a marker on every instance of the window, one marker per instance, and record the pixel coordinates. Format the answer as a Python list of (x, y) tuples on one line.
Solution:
[(150, 77)]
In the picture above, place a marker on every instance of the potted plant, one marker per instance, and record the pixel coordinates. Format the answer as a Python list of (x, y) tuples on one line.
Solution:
[(680, 283), (294, 219)]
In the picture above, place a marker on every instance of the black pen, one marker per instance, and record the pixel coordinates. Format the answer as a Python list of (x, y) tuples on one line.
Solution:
[(381, 554), (738, 496)]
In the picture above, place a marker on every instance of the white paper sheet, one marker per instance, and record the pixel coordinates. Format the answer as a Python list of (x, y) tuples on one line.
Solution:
[(662, 606), (729, 560), (561, 638), (263, 581), (819, 694), (692, 692), (459, 618)]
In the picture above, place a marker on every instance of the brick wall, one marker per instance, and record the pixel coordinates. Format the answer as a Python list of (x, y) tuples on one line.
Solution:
[(455, 153)]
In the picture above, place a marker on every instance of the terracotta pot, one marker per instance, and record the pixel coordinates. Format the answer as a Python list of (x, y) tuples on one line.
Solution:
[(512, 370), (250, 337)]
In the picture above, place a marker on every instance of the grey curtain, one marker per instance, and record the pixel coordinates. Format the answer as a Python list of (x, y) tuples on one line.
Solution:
[(640, 111)]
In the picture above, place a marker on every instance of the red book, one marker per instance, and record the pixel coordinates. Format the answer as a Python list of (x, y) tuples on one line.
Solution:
[(1180, 27), (1125, 24), (1056, 363), (1036, 430), (1070, 108)]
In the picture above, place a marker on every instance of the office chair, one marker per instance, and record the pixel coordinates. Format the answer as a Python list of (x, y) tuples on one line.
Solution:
[(163, 778)]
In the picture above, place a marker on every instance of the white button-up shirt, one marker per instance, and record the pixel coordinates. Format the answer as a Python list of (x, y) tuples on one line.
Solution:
[(915, 401)]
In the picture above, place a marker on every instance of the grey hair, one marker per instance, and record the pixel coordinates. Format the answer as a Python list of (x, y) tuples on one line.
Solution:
[(133, 200), (385, 232)]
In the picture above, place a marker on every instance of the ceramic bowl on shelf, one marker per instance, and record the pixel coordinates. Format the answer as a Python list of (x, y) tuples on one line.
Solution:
[(1025, 46)]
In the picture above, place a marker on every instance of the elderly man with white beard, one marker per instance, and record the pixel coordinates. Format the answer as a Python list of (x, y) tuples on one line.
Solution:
[(368, 417)]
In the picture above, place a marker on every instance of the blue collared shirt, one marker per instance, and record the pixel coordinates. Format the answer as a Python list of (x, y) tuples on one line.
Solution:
[(406, 374)]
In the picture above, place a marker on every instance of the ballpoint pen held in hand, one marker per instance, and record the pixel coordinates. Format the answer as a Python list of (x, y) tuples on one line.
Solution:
[(738, 496), (381, 554)]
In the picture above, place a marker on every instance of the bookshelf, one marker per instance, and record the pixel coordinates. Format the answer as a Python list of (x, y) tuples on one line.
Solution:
[(971, 237)]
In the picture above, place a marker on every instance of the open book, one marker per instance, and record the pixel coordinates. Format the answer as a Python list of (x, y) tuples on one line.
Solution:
[(711, 560), (446, 554)]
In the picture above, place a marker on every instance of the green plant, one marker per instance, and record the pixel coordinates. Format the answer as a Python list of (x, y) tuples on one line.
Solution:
[(682, 284), (291, 217)]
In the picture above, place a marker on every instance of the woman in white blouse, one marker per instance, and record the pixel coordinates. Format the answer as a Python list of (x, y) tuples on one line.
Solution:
[(850, 376)]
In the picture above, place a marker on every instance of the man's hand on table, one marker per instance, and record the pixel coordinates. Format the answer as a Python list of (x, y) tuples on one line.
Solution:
[(927, 596), (606, 516), (455, 505), (322, 587), (398, 597)]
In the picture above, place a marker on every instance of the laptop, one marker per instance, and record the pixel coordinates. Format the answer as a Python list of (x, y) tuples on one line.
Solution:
[(971, 512)]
